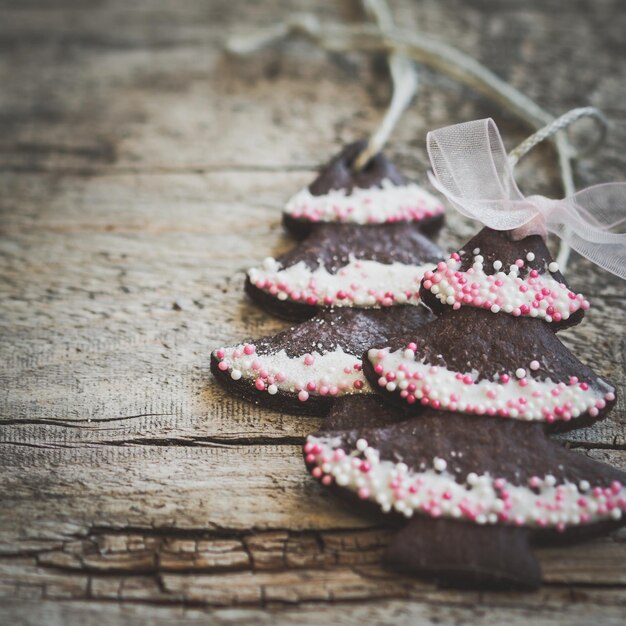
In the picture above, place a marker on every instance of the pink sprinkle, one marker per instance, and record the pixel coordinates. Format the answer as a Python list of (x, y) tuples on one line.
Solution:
[(303, 396), (308, 359), (259, 384), (363, 493), (222, 366)]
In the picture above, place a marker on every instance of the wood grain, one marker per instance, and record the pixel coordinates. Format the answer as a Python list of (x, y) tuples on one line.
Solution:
[(141, 172)]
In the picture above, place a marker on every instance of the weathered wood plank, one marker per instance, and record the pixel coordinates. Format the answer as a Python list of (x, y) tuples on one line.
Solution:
[(204, 568), (142, 172)]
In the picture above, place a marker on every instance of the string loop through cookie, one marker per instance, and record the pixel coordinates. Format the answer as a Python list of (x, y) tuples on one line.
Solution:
[(562, 123), (404, 80)]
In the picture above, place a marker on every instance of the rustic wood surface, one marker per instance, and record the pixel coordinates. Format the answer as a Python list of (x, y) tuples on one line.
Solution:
[(141, 172)]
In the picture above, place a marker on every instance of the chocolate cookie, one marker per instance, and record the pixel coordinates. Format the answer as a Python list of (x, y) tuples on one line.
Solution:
[(345, 265), (476, 491), (377, 194), (303, 369), (490, 353)]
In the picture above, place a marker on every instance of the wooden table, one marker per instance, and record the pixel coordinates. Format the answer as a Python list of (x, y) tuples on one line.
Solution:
[(141, 173)]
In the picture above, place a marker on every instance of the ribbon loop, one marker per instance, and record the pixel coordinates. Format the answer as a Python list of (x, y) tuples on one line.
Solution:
[(471, 168)]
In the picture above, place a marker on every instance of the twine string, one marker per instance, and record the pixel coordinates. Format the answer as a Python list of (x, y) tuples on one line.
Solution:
[(437, 55), (566, 154), (404, 79)]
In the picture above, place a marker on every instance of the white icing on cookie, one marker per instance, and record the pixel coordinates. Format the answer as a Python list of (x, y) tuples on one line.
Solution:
[(481, 499), (537, 295), (376, 205), (330, 373), (513, 395), (360, 283)]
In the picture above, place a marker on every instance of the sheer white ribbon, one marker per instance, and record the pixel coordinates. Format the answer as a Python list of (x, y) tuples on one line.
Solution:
[(471, 168)]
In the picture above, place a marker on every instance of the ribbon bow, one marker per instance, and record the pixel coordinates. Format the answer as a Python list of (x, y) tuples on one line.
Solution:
[(471, 168)]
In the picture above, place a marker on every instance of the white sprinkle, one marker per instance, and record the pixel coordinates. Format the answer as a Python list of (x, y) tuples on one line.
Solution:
[(497, 265), (476, 251), (495, 308), (520, 372), (235, 374), (553, 267), (584, 485), (269, 263), (530, 256), (534, 365), (439, 464), (272, 389), (361, 444)]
